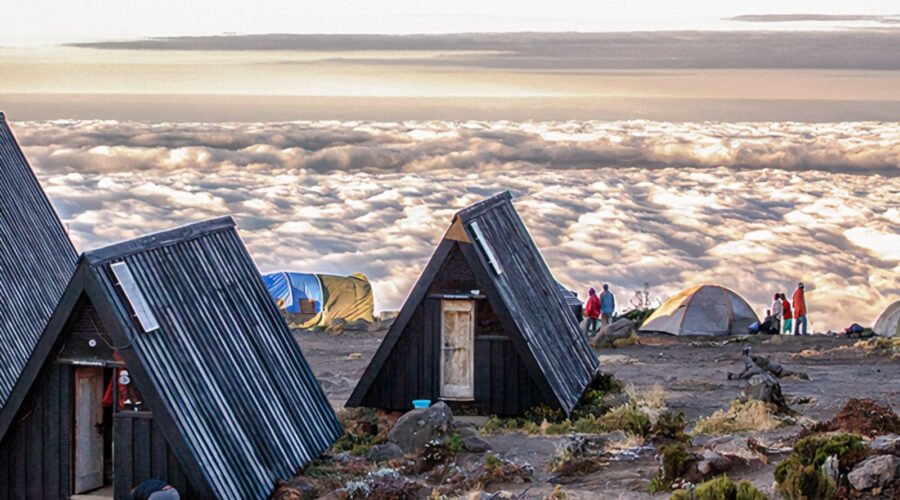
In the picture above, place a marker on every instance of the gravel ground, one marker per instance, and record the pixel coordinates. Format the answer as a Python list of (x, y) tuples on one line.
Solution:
[(693, 374)]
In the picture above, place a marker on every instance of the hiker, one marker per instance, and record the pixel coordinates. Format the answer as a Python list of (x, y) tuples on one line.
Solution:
[(800, 322), (592, 313), (607, 305), (788, 327), (154, 489), (768, 325), (777, 311)]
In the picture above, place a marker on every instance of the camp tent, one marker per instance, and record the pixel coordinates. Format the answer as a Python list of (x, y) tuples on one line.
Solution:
[(702, 310), (888, 322), (312, 300)]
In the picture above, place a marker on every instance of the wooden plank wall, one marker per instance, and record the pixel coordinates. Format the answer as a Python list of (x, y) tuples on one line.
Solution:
[(35, 454), (142, 453), (503, 385)]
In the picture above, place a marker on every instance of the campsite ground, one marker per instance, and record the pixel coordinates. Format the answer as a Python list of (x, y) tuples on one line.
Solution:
[(693, 375)]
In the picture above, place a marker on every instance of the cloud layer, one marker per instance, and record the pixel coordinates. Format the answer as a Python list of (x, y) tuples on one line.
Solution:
[(755, 207), (850, 49)]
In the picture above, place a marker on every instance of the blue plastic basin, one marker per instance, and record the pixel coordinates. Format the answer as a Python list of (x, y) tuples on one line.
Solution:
[(421, 403)]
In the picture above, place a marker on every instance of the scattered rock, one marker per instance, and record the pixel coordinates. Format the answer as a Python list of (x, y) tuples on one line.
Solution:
[(297, 488), (417, 427), (713, 463), (620, 331), (385, 452), (497, 495), (886, 444), (466, 431), (475, 444), (873, 472), (733, 447)]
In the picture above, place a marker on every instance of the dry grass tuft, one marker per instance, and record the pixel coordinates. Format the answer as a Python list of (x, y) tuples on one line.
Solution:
[(750, 416)]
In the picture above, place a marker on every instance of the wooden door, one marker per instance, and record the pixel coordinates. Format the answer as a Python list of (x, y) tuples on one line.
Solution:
[(457, 349), (88, 429)]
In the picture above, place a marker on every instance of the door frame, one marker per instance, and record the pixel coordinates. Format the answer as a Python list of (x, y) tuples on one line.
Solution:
[(446, 305), (95, 413)]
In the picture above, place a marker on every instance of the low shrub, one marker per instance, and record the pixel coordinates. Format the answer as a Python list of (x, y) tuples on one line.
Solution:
[(675, 462), (800, 475), (720, 488), (670, 425), (626, 418)]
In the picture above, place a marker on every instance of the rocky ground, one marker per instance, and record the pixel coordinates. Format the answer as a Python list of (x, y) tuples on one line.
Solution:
[(688, 375)]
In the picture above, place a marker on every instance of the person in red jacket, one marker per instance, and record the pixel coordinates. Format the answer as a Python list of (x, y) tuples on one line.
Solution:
[(787, 315), (592, 313), (800, 322)]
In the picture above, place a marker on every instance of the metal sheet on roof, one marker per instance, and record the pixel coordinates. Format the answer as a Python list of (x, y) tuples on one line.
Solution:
[(223, 360), (533, 297), (36, 260)]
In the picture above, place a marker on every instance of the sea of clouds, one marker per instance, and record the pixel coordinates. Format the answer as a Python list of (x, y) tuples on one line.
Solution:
[(753, 206)]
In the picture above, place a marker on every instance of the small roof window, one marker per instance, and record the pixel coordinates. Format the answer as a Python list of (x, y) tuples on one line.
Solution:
[(486, 247), (135, 297)]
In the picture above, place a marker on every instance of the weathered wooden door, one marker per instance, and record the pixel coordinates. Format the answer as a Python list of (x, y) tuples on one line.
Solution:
[(88, 428), (457, 349)]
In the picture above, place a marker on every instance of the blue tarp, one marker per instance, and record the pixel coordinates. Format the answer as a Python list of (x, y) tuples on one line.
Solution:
[(289, 289)]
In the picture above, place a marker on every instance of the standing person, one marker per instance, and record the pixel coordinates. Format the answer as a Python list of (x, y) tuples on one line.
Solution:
[(607, 306), (786, 313), (592, 313), (800, 322), (777, 311)]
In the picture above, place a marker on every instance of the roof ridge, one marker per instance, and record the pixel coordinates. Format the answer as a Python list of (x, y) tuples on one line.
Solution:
[(158, 239), (485, 205)]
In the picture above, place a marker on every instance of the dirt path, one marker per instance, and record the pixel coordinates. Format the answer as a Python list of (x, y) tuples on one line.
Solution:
[(693, 374)]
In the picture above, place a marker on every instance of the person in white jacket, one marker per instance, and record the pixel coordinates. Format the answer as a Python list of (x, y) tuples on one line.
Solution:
[(777, 312)]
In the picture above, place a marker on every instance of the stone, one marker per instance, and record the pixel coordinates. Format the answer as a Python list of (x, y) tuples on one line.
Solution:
[(889, 443), (385, 452), (417, 427), (874, 472), (297, 488), (732, 447), (465, 432), (475, 444)]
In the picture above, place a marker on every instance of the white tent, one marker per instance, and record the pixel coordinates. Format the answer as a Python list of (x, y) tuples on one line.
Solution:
[(702, 310), (888, 322)]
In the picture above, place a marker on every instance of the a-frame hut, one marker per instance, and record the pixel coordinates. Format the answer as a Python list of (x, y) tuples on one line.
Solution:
[(167, 353), (485, 327), (36, 260)]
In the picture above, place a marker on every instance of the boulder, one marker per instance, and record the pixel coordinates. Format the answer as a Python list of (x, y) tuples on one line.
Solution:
[(475, 444), (889, 443), (875, 471), (417, 427), (732, 447), (712, 463), (621, 329), (385, 452)]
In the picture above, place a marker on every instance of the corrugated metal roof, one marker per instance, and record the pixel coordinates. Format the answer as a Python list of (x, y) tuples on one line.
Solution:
[(533, 297), (36, 260), (222, 361)]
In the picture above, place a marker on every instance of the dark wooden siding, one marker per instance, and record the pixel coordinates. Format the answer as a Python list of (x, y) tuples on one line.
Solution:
[(35, 454), (142, 453), (503, 385)]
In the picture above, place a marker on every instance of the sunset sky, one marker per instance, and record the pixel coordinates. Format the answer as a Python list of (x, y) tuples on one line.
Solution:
[(672, 143)]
